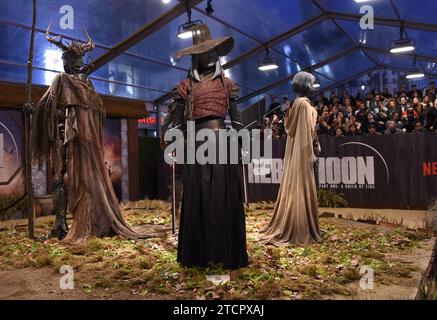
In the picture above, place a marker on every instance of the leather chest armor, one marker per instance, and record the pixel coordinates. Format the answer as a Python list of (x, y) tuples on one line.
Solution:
[(210, 96)]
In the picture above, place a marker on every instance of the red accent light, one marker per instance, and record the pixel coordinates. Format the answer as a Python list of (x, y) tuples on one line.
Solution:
[(148, 121)]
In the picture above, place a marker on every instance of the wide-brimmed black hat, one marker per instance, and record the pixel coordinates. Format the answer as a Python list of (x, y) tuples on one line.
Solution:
[(203, 42)]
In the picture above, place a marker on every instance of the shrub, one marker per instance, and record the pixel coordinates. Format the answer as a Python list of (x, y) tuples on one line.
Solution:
[(329, 199)]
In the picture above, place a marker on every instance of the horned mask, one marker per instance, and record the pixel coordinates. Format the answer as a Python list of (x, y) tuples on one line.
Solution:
[(73, 53)]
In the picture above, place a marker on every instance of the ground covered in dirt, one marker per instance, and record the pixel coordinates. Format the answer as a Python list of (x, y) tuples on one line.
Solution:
[(116, 268)]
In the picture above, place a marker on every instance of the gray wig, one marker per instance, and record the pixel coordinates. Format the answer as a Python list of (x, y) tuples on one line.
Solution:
[(303, 83)]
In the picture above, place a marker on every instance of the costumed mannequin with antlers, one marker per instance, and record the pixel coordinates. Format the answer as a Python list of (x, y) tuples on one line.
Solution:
[(67, 127), (212, 226), (295, 218)]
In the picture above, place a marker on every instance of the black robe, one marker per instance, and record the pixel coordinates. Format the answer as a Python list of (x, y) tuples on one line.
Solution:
[(212, 227)]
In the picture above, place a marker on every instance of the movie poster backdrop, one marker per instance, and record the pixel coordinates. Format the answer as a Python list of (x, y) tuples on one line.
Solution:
[(395, 171), (112, 149), (12, 188)]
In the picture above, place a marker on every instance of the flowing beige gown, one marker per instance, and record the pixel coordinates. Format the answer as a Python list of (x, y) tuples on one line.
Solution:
[(295, 218)]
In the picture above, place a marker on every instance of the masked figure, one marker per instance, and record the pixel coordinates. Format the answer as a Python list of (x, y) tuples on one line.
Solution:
[(67, 127), (295, 218), (212, 226)]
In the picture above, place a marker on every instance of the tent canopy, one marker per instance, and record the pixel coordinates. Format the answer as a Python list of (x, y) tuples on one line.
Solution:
[(136, 41)]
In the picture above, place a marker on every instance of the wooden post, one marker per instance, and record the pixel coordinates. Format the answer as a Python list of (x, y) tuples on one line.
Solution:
[(27, 148)]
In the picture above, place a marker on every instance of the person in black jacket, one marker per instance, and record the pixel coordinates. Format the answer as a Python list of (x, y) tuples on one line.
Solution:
[(431, 118)]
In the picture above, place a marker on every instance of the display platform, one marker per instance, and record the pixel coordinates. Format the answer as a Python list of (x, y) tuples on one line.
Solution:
[(116, 268)]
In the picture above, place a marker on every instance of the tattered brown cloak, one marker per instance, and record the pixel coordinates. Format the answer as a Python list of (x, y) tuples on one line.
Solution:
[(73, 101)]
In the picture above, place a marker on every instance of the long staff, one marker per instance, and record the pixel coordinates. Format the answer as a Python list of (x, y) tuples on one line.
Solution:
[(27, 148), (173, 215), (246, 198)]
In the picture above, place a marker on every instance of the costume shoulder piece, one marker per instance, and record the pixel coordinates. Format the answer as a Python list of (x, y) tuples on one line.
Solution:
[(79, 92), (232, 89), (182, 90), (302, 99)]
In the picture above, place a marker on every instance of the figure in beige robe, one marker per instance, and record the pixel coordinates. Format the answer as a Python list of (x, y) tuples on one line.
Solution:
[(295, 218)]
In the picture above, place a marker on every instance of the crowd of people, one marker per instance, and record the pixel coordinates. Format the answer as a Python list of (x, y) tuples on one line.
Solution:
[(375, 113)]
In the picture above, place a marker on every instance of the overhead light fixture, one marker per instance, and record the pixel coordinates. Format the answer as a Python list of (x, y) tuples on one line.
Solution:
[(268, 63), (185, 31), (402, 45), (416, 73), (316, 84), (363, 87)]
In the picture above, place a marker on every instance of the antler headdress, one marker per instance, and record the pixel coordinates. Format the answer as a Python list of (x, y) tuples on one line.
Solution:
[(72, 53), (76, 46)]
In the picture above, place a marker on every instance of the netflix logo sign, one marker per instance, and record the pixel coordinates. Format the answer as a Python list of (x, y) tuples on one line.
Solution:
[(149, 122), (429, 169)]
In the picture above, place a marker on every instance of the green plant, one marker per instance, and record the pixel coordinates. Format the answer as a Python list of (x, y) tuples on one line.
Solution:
[(329, 199)]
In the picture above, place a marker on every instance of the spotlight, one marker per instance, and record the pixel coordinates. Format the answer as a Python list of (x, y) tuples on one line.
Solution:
[(363, 87), (209, 9), (403, 44), (185, 31), (416, 73), (268, 63), (316, 84)]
